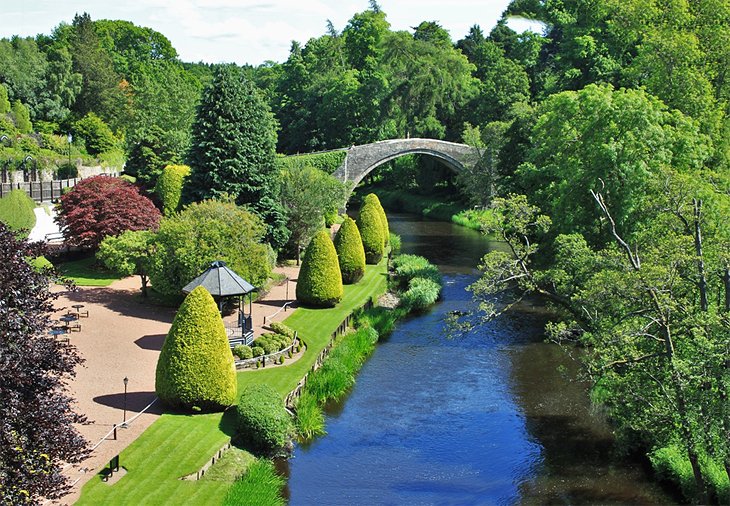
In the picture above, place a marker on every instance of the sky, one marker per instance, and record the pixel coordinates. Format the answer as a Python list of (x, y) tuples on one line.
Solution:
[(246, 31)]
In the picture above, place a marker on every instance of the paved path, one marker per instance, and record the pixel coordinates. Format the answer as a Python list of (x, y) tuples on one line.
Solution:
[(122, 337), (44, 223)]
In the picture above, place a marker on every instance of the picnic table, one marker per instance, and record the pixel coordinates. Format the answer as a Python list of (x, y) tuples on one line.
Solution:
[(68, 319), (78, 311)]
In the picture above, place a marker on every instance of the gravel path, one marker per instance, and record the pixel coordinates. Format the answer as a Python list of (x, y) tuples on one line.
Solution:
[(121, 338)]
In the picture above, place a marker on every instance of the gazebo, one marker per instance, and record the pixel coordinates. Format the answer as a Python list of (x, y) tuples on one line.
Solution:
[(223, 283)]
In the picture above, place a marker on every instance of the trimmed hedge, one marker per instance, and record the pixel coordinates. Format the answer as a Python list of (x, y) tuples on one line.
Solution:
[(326, 162), (263, 421), (283, 329), (350, 252), (320, 279), (169, 187), (370, 225), (375, 201), (16, 210), (195, 369)]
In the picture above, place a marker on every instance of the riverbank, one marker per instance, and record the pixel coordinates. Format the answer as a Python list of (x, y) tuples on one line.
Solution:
[(434, 208), (177, 445)]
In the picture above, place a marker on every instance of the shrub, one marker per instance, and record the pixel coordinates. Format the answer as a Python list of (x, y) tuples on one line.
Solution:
[(671, 463), (350, 252), (281, 360), (169, 187), (370, 225), (263, 421), (283, 329), (101, 206), (373, 200), (257, 351), (260, 485), (320, 280), (67, 171), (16, 210), (195, 369), (421, 294), (190, 240), (243, 351), (395, 243), (96, 134), (327, 162), (21, 115), (4, 102), (407, 267)]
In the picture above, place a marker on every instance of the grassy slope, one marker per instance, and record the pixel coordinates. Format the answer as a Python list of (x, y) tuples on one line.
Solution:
[(176, 445)]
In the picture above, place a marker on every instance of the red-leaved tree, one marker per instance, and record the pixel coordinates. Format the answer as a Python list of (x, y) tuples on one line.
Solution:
[(101, 206), (37, 435)]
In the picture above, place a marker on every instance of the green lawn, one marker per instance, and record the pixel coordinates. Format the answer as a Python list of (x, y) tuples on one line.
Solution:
[(177, 445), (315, 327), (87, 272)]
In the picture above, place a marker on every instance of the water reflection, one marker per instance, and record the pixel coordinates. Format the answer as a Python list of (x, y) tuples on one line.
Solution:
[(482, 419)]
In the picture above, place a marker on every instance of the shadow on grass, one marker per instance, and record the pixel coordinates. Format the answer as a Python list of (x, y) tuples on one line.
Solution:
[(228, 423)]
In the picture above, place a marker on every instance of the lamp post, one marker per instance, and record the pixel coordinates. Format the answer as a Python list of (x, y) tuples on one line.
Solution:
[(124, 420), (70, 139)]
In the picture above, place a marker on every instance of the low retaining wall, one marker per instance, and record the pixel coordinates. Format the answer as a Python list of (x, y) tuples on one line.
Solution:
[(252, 363), (292, 397)]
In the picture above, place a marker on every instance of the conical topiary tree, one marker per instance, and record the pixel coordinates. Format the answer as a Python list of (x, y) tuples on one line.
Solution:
[(370, 225), (169, 187), (350, 252), (320, 281), (372, 198), (195, 369)]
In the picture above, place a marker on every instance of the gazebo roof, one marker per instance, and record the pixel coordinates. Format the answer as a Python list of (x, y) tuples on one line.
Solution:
[(220, 281)]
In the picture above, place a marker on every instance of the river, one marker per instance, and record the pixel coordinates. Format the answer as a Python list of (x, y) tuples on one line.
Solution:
[(490, 417)]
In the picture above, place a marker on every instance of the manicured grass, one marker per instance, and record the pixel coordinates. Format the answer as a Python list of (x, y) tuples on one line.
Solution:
[(16, 210), (177, 445), (87, 272), (315, 327), (172, 447)]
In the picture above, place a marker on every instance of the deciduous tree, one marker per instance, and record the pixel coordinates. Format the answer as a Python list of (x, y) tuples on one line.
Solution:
[(103, 206), (37, 435)]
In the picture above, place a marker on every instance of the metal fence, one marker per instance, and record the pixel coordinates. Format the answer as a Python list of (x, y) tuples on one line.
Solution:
[(40, 191), (43, 191)]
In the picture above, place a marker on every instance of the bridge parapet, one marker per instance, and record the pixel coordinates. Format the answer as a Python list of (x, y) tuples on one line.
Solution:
[(361, 160)]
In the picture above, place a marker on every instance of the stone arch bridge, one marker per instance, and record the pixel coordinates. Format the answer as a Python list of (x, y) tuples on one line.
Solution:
[(363, 159)]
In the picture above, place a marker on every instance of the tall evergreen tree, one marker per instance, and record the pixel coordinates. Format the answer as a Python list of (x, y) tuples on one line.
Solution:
[(233, 150)]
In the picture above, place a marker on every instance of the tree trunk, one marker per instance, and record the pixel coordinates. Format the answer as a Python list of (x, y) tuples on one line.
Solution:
[(699, 479), (702, 284), (299, 254), (144, 285)]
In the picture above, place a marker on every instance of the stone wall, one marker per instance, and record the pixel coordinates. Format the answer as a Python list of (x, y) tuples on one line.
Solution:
[(361, 160)]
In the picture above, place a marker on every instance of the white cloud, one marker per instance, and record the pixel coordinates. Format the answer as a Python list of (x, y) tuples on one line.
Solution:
[(245, 31)]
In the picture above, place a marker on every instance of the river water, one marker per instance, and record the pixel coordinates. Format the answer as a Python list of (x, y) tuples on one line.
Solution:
[(489, 417)]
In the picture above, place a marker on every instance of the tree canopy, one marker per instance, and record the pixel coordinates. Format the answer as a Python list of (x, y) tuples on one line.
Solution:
[(37, 432)]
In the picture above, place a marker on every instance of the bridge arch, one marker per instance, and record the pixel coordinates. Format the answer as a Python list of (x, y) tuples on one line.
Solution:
[(363, 159)]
